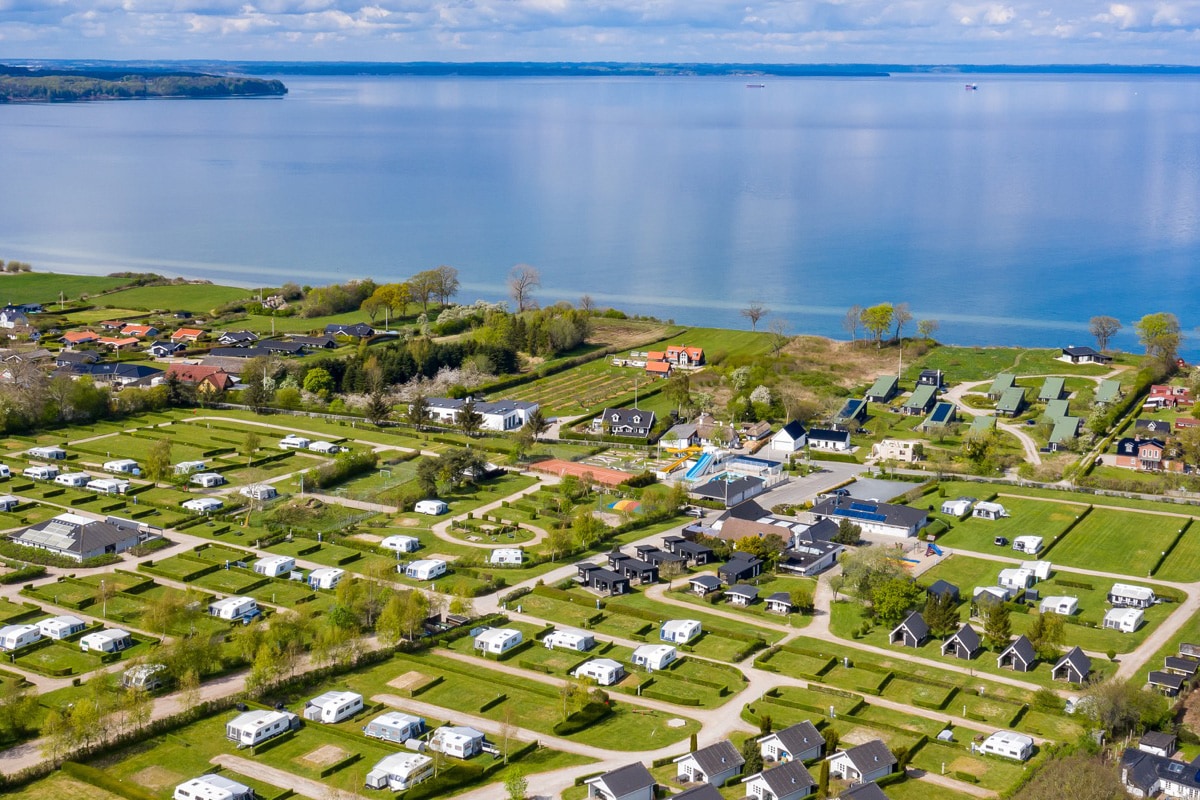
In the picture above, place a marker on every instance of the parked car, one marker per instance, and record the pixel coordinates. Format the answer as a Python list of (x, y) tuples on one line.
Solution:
[(1000, 541)]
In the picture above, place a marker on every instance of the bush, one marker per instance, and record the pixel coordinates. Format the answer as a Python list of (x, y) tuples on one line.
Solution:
[(585, 717)]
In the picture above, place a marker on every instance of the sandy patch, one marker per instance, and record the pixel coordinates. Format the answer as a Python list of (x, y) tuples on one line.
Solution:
[(442, 556), (369, 538), (857, 736), (409, 680), (402, 522), (157, 778), (324, 755), (967, 765), (676, 722), (608, 518)]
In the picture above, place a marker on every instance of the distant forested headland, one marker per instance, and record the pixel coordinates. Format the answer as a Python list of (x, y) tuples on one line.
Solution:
[(21, 84)]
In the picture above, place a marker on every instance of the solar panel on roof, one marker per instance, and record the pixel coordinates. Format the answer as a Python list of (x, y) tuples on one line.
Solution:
[(867, 515), (863, 506), (942, 412)]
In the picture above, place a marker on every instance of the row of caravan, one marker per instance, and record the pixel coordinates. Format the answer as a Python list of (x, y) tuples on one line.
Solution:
[(106, 640)]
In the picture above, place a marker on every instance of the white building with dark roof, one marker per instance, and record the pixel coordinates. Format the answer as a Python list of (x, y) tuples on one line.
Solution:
[(869, 761), (714, 764), (78, 537), (630, 782), (799, 742), (788, 781)]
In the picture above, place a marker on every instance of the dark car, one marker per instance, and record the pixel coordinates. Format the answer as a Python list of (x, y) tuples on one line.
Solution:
[(1000, 541)]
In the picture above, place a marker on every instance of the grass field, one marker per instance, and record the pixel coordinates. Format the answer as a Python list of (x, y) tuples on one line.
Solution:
[(967, 573), (44, 287), (1123, 542), (61, 787), (980, 363), (199, 298), (1183, 564), (1027, 516)]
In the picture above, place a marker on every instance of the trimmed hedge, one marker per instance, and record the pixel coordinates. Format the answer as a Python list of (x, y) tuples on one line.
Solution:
[(585, 717)]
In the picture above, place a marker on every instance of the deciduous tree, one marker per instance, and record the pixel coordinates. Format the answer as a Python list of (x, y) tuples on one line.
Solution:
[(894, 599), (754, 312), (941, 614), (927, 328), (997, 624), (1104, 328), (852, 321), (158, 460), (877, 320), (1160, 335), (901, 316), (445, 284), (522, 280)]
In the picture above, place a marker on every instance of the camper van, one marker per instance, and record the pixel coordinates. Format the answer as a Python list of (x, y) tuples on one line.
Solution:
[(293, 442), (61, 627), (73, 479), (395, 726), (124, 466), (109, 640), (48, 453), (13, 637), (145, 677), (333, 707), (234, 608), (401, 544), (188, 467), (8, 502), (431, 507), (274, 566), (257, 726), (207, 480), (5, 472), (400, 771), (509, 556), (212, 787), (498, 640), (425, 569), (41, 473), (325, 577), (569, 639), (107, 486), (604, 671), (259, 491), (326, 448), (203, 505)]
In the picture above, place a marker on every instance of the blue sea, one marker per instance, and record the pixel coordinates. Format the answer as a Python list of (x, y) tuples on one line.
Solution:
[(1011, 213)]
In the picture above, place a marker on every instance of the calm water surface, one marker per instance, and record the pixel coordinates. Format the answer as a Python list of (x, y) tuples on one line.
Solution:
[(1012, 213)]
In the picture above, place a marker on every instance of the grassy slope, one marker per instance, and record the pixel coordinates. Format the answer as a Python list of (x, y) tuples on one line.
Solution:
[(43, 287), (195, 297)]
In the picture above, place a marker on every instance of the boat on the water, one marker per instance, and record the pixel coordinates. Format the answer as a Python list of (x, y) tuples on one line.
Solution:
[(756, 86), (971, 87)]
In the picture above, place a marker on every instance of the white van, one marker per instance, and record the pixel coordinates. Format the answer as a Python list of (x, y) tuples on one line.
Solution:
[(5, 472), (274, 566), (109, 640), (74, 479), (293, 442), (425, 569), (41, 473), (14, 636), (259, 491), (326, 577)]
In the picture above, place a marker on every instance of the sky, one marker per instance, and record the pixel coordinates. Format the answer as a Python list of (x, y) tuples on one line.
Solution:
[(766, 31)]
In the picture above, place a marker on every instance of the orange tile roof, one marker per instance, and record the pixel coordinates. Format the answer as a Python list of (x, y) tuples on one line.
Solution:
[(187, 333), (137, 330), (77, 337), (114, 342), (658, 367)]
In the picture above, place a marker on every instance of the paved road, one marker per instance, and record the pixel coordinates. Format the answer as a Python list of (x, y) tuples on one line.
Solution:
[(1028, 444)]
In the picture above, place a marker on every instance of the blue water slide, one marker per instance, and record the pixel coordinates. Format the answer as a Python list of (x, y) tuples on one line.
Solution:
[(936, 550), (698, 468)]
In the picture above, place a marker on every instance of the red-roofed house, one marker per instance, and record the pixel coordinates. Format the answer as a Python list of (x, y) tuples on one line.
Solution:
[(127, 343), (685, 356), (140, 331), (71, 338), (112, 324), (659, 368), (205, 379), (186, 335), (1167, 396)]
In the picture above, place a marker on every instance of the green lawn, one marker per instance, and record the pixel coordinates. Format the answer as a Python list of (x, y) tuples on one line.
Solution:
[(44, 287), (466, 687), (767, 587), (1124, 542), (1183, 564), (1027, 516), (60, 786), (199, 298)]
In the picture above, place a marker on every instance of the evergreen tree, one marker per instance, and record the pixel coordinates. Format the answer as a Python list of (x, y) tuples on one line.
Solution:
[(941, 615), (997, 626)]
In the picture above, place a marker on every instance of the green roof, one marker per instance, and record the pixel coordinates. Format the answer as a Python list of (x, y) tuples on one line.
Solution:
[(921, 397), (1052, 389), (884, 386), (1108, 391), (1057, 409), (1004, 381), (1064, 428), (1012, 400), (983, 424)]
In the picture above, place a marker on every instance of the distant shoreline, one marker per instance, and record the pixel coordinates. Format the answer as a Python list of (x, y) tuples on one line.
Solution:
[(607, 68)]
